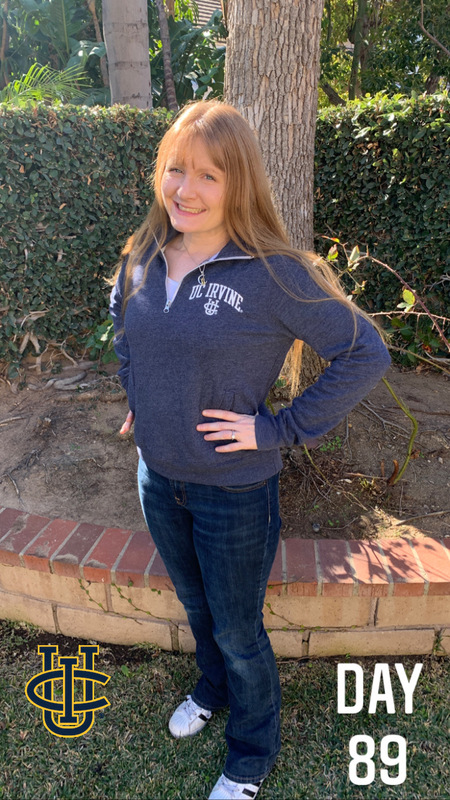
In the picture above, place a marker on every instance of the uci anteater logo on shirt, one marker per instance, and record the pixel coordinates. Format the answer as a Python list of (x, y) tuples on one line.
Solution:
[(67, 718), (215, 292)]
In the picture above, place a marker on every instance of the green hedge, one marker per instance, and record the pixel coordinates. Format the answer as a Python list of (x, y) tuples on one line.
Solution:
[(382, 181), (75, 182)]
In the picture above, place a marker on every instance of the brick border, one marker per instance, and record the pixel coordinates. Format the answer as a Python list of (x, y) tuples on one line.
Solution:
[(323, 595)]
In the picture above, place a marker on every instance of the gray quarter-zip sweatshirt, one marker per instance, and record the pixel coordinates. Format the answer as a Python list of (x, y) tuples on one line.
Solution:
[(222, 345)]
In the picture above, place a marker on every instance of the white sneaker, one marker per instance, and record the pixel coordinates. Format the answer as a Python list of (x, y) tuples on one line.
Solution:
[(229, 790), (188, 719)]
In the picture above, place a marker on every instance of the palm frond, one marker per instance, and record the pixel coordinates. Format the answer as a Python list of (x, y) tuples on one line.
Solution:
[(65, 22), (44, 84)]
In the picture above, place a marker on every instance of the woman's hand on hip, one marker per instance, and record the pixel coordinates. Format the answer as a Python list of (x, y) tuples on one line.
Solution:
[(239, 428), (128, 423)]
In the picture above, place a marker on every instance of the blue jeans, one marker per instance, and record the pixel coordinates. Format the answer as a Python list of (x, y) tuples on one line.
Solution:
[(218, 545)]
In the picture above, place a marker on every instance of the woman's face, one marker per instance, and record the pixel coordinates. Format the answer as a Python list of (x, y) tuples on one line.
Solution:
[(193, 191)]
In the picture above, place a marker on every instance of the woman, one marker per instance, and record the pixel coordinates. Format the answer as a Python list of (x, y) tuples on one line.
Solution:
[(207, 304)]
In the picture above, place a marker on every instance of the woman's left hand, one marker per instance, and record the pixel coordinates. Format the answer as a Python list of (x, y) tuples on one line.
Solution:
[(239, 428)]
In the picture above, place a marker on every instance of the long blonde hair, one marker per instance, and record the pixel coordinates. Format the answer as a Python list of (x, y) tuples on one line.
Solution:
[(250, 216)]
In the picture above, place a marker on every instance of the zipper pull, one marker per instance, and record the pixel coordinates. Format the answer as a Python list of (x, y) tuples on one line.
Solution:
[(167, 307)]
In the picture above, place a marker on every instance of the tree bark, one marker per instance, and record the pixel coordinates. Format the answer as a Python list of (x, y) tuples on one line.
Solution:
[(4, 72), (224, 7), (331, 93), (432, 83), (329, 20), (353, 89), (271, 76), (99, 38), (125, 30), (169, 85)]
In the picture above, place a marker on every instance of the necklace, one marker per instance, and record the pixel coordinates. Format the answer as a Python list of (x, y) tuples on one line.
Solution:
[(196, 263)]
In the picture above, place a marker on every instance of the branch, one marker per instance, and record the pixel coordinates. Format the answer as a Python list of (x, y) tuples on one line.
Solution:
[(11, 419), (397, 475), (416, 297), (421, 516), (354, 260), (416, 314), (430, 36), (324, 478), (419, 357), (332, 95)]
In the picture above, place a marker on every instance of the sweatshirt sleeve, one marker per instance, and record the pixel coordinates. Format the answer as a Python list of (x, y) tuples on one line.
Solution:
[(121, 345), (358, 360)]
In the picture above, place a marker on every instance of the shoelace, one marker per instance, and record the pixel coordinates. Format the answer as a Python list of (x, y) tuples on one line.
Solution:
[(193, 709), (235, 789)]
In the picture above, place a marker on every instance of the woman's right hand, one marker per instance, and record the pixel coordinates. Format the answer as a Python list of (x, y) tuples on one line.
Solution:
[(128, 423)]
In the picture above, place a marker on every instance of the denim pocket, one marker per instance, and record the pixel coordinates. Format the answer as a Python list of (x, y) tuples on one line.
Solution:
[(247, 487)]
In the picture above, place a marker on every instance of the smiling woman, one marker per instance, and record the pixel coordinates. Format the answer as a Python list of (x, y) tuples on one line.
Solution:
[(206, 305), (193, 190)]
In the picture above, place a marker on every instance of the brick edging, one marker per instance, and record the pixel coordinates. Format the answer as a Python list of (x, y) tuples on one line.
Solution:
[(402, 567)]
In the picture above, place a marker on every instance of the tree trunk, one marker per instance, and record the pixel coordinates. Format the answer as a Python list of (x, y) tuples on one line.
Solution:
[(432, 83), (353, 90), (125, 30), (99, 38), (4, 71), (169, 85), (271, 76), (329, 20), (224, 7)]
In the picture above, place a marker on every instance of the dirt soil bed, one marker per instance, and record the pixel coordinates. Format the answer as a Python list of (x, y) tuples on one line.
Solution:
[(62, 455)]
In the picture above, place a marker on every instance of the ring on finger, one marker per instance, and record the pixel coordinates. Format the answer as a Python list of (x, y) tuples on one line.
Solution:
[(233, 436)]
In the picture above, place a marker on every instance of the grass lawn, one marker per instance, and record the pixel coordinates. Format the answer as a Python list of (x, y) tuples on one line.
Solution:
[(129, 752)]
